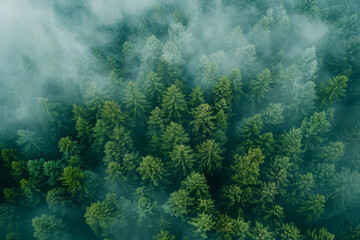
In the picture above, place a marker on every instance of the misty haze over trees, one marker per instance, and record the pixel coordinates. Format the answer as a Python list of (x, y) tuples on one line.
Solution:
[(175, 120)]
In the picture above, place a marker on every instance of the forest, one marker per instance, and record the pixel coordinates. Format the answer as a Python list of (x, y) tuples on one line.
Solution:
[(180, 120)]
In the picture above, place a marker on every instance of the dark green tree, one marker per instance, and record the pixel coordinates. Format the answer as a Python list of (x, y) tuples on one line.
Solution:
[(174, 104), (49, 227), (209, 155), (333, 90)]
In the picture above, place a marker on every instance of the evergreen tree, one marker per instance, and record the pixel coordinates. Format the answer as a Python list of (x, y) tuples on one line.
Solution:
[(236, 85), (152, 169), (154, 87), (222, 90), (261, 86), (174, 104), (333, 90), (106, 217), (135, 103), (72, 178), (202, 224), (49, 227), (246, 168), (203, 123), (182, 159), (313, 208), (209, 155), (174, 135), (196, 97)]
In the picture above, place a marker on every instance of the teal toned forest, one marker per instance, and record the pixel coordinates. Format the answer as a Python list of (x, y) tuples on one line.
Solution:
[(179, 120)]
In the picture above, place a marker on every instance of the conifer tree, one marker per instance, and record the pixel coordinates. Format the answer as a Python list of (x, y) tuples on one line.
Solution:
[(209, 155), (313, 207), (135, 103), (73, 178), (246, 168), (174, 135), (182, 159), (152, 169), (154, 87), (196, 97), (105, 217), (203, 123), (49, 227), (222, 90), (261, 86), (174, 104), (333, 90), (236, 85)]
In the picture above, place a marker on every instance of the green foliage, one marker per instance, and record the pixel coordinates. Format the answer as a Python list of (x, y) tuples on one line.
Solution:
[(321, 234), (209, 155), (261, 86), (246, 168), (120, 143), (174, 135), (313, 207), (196, 97), (289, 231), (135, 102), (202, 224), (154, 87), (49, 227), (72, 178), (203, 123), (261, 232), (333, 90), (222, 90), (174, 104), (30, 144), (182, 159), (105, 218), (229, 228), (314, 129), (236, 85), (152, 169), (164, 235)]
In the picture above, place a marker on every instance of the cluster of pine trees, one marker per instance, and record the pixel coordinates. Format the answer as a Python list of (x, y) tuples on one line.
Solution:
[(166, 134)]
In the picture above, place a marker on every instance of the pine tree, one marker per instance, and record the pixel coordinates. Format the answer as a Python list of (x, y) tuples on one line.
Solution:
[(321, 234), (333, 90), (196, 97), (223, 90), (261, 86), (209, 155), (174, 104), (174, 135), (135, 103), (182, 159), (180, 204), (236, 85), (314, 129), (73, 178), (120, 143), (154, 87), (49, 227), (261, 232), (313, 207), (229, 228), (105, 218), (112, 114), (152, 169), (203, 123), (289, 231), (246, 168), (202, 223)]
